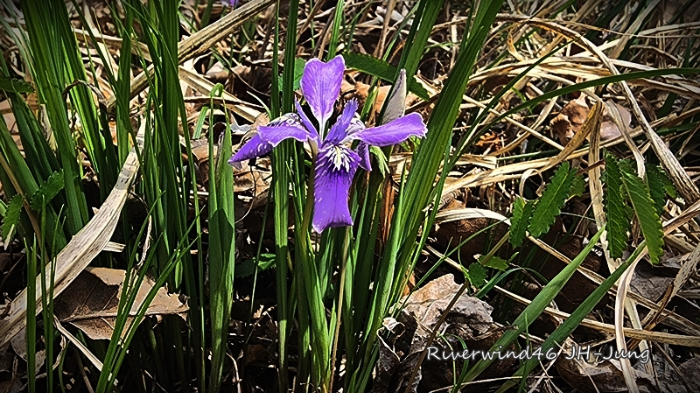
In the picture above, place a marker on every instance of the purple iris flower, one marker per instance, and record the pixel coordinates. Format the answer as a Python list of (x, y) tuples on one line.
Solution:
[(232, 3), (335, 162)]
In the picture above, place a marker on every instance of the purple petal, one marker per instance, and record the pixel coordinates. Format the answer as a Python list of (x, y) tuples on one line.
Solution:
[(335, 167), (284, 127), (363, 152), (305, 120), (339, 130), (255, 147), (356, 125), (320, 84), (394, 132)]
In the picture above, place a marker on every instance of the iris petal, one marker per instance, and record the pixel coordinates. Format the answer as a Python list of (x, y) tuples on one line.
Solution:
[(335, 167), (305, 120), (284, 127), (255, 147), (396, 131), (320, 84), (363, 152), (339, 130)]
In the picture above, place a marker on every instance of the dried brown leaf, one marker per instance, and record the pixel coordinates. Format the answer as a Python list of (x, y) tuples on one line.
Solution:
[(92, 301)]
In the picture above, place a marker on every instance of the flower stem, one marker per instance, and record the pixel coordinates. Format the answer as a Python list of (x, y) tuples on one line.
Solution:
[(343, 264)]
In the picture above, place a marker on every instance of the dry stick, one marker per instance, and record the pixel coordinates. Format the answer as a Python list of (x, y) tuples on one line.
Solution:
[(673, 366), (379, 49), (528, 130), (311, 17), (680, 178), (623, 287), (662, 337), (498, 174), (200, 42)]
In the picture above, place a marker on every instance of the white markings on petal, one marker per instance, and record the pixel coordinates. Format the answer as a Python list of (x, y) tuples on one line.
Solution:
[(339, 158)]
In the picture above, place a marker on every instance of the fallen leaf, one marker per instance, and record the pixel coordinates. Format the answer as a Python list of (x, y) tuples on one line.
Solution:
[(570, 119), (608, 128), (19, 346), (469, 322), (90, 303), (650, 282)]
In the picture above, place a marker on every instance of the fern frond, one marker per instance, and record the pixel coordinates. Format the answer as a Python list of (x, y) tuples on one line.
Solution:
[(549, 206), (617, 211), (578, 186), (645, 211)]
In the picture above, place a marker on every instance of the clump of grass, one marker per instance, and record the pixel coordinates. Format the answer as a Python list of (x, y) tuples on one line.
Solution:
[(338, 275)]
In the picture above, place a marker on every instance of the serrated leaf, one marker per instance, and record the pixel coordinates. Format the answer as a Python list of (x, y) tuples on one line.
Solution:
[(247, 267), (668, 186), (645, 211), (495, 263), (47, 191), (381, 69), (11, 219), (617, 212), (519, 222), (578, 186), (15, 85), (549, 206), (477, 274), (657, 190)]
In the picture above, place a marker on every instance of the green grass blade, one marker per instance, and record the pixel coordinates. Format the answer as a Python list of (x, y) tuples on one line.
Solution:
[(535, 308), (338, 20), (427, 159), (222, 253), (381, 69), (570, 324), (45, 23)]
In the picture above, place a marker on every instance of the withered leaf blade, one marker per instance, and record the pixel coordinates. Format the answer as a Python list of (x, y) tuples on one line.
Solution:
[(91, 302)]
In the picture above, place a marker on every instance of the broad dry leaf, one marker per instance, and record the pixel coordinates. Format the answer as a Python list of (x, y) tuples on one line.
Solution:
[(570, 119), (468, 321), (608, 129), (19, 346), (90, 303)]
